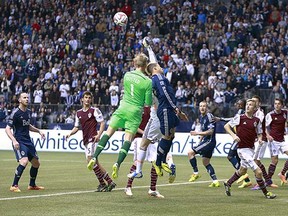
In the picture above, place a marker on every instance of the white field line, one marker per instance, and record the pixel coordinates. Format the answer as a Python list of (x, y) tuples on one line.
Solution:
[(93, 191)]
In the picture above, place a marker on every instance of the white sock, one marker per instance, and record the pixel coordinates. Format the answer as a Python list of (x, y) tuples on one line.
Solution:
[(140, 160), (169, 159)]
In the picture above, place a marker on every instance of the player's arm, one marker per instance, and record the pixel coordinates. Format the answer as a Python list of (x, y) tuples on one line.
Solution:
[(259, 132), (202, 133), (11, 137), (148, 94), (34, 129), (268, 120), (99, 118), (75, 128), (231, 124)]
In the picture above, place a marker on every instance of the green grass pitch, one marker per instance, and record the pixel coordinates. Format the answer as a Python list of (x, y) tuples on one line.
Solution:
[(69, 190)]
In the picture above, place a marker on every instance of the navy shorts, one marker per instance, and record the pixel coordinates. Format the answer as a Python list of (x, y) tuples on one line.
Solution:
[(205, 148), (26, 151), (168, 120)]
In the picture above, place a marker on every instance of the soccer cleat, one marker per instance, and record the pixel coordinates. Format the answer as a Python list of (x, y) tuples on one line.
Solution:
[(146, 42), (194, 177), (91, 164), (255, 187), (158, 169), (282, 178), (115, 169), (35, 187), (242, 178), (245, 184), (101, 188), (15, 189), (135, 175), (155, 194), (270, 195), (214, 184), (227, 189), (110, 187), (166, 168), (128, 191), (172, 175)]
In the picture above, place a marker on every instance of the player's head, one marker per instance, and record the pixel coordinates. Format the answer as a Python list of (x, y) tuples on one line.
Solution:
[(87, 98), (154, 68), (278, 104), (203, 107), (257, 100), (240, 104), (140, 61), (23, 99), (250, 106)]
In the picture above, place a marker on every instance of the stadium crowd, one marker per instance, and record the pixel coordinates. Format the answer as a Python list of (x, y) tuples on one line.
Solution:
[(57, 49)]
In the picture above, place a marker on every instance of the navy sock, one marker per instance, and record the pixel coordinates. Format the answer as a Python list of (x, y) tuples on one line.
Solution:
[(211, 171), (234, 162), (193, 163), (33, 175), (18, 173), (162, 150)]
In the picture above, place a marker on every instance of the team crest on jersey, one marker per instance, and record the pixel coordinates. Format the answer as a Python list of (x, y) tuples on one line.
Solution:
[(89, 115), (255, 124), (22, 153)]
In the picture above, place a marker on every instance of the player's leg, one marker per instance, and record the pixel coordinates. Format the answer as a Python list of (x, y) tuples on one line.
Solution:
[(232, 156), (260, 181), (22, 158), (35, 164), (172, 166), (274, 151), (281, 175), (193, 162), (101, 145), (207, 153)]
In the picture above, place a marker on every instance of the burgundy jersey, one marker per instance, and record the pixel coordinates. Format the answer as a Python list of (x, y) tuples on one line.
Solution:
[(276, 122), (246, 129), (145, 119), (88, 119)]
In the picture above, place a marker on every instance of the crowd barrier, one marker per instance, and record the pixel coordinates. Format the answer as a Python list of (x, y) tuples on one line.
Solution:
[(55, 142)]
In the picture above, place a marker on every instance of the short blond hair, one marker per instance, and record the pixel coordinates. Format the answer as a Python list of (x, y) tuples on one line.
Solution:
[(140, 60)]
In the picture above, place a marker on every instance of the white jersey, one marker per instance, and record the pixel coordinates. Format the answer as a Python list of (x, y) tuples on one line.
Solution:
[(259, 114)]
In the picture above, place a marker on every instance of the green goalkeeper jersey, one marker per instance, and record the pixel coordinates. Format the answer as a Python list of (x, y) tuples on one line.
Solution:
[(137, 93), (137, 89)]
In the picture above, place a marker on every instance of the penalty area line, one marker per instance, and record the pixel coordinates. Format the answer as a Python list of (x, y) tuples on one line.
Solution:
[(93, 191)]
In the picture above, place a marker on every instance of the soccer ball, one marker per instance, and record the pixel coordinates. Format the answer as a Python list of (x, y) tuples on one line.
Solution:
[(120, 19)]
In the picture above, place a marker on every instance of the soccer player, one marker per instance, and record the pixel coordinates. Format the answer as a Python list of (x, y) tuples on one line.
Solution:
[(206, 145), (152, 132), (19, 122), (167, 112), (232, 154), (89, 117), (137, 93), (261, 147), (248, 128), (275, 131), (151, 156)]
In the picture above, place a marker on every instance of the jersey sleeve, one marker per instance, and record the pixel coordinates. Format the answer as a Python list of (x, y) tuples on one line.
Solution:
[(98, 115), (259, 129), (211, 121), (148, 94), (268, 120), (234, 121), (10, 122), (77, 121)]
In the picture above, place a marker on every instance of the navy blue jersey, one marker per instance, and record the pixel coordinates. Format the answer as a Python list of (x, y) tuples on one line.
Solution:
[(20, 122), (164, 92), (208, 123)]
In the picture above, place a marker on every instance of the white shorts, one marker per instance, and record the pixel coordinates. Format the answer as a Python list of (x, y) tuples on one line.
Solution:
[(260, 150), (90, 149), (151, 153), (152, 130), (246, 156), (277, 147)]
